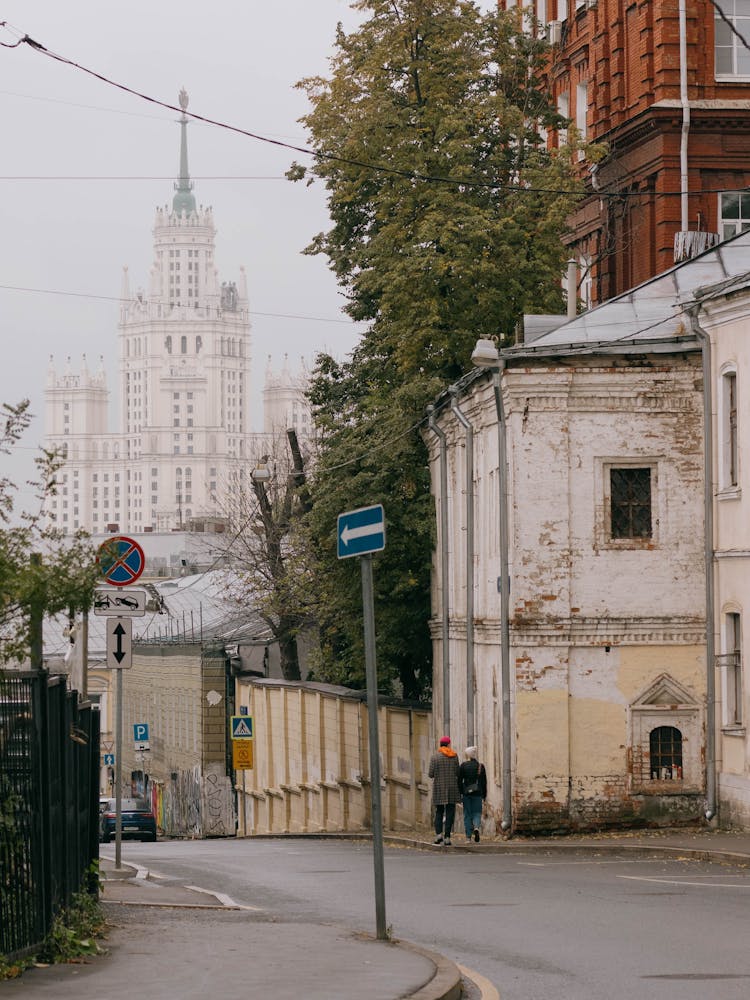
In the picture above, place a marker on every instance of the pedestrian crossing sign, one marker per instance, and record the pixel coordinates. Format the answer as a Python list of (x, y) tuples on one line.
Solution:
[(242, 727)]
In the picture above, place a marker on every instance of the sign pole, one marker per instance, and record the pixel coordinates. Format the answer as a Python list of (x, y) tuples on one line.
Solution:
[(372, 716), (118, 773), (361, 532)]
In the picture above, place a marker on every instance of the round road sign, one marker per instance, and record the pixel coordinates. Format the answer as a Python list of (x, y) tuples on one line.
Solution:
[(121, 560)]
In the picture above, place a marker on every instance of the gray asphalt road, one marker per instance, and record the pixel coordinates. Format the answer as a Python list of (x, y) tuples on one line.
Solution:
[(539, 926)]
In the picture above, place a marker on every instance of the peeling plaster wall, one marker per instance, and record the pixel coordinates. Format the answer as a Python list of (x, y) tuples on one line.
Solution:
[(594, 622)]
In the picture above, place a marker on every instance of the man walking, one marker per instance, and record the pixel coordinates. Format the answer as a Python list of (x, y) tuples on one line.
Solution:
[(445, 789)]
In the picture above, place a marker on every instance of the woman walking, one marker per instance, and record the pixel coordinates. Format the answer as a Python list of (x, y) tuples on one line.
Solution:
[(472, 779)]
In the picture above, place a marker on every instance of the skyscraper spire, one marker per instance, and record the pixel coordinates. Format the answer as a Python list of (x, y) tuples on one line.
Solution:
[(184, 200)]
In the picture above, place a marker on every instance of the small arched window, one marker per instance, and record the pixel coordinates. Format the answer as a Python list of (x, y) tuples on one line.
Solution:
[(183, 345), (665, 753), (168, 344), (198, 344)]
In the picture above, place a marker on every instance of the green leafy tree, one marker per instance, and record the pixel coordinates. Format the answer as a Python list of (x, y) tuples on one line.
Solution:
[(447, 214), (41, 571)]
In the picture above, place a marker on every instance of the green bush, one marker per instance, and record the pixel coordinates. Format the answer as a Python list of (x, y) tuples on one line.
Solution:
[(75, 931)]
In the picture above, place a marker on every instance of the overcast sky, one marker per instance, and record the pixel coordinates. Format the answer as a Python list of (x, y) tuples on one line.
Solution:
[(239, 62)]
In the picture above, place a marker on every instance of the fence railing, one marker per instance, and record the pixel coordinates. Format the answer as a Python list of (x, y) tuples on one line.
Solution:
[(49, 817)]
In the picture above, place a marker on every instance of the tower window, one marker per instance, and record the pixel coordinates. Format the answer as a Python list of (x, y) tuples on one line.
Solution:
[(630, 503)]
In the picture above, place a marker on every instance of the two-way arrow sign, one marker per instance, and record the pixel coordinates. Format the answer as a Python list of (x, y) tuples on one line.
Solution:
[(119, 643)]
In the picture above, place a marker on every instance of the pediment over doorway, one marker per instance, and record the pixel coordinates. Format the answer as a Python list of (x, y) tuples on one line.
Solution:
[(665, 690)]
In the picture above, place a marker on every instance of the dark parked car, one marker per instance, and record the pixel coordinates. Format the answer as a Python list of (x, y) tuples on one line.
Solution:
[(138, 820)]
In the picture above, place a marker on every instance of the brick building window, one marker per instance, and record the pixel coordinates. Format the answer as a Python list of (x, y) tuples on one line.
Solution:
[(665, 753), (630, 503), (734, 212), (731, 58), (563, 109), (582, 107), (585, 286)]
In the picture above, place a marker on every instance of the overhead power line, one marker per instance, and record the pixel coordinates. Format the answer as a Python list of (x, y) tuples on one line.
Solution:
[(334, 157), (118, 298), (139, 177)]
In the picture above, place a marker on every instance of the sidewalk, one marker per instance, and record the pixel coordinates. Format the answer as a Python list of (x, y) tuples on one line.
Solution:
[(168, 940)]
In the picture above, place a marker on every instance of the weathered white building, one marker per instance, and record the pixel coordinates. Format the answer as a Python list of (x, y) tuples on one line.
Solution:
[(572, 478), (185, 438), (723, 312)]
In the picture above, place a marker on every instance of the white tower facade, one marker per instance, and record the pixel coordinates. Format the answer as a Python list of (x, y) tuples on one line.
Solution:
[(285, 403), (185, 440)]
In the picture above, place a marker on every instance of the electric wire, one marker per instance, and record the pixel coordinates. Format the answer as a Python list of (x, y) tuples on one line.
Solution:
[(118, 298), (327, 157), (140, 177)]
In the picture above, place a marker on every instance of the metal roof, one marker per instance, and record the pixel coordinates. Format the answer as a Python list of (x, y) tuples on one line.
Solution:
[(651, 312), (193, 609)]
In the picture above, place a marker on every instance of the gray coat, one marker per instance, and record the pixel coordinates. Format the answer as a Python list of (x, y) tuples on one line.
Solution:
[(445, 786)]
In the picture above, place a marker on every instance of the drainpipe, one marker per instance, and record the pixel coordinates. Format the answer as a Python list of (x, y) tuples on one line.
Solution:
[(443, 566), (708, 548), (463, 420), (572, 288), (497, 374), (685, 116)]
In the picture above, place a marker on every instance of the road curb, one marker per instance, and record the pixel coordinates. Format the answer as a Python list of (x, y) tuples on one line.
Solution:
[(517, 847), (529, 846), (445, 984)]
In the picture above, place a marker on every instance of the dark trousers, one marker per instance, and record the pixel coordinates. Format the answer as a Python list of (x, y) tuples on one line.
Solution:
[(472, 814), (447, 811)]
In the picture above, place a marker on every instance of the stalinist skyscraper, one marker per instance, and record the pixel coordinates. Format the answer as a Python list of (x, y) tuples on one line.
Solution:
[(184, 358)]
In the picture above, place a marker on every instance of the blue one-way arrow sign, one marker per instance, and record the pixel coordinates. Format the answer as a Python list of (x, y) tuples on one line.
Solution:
[(361, 531)]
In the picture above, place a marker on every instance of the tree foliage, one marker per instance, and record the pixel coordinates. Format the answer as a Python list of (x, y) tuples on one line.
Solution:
[(446, 220), (39, 567)]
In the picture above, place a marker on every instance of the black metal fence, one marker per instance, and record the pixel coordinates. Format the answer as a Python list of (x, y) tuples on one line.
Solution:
[(49, 813)]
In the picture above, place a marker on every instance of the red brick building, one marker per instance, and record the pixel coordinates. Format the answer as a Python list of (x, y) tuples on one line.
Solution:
[(666, 85)]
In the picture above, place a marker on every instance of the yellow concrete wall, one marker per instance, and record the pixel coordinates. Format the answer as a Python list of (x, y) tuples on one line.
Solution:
[(311, 762)]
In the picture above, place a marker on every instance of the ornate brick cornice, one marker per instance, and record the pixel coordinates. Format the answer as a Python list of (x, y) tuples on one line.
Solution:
[(644, 631)]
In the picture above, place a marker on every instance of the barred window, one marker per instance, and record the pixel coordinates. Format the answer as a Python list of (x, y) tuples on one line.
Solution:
[(630, 503), (665, 754)]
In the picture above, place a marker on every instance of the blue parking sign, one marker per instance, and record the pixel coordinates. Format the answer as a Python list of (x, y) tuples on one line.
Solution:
[(140, 732)]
